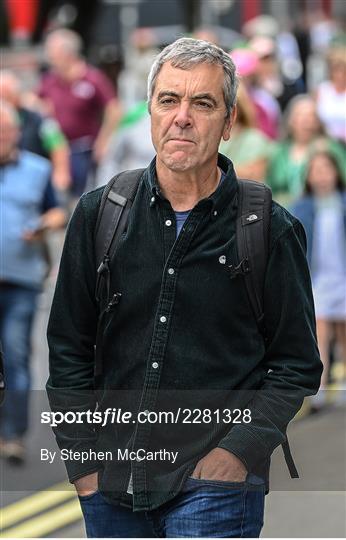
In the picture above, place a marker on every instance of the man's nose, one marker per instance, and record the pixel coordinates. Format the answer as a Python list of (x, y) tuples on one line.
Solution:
[(183, 116)]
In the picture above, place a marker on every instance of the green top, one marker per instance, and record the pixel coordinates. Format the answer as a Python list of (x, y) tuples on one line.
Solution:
[(286, 177), (51, 135), (246, 146), (134, 114)]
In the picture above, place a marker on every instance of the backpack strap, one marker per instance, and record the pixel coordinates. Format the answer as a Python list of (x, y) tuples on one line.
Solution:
[(252, 233), (115, 207), (289, 459)]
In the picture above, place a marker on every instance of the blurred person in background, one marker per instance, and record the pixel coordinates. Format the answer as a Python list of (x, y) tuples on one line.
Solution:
[(38, 134), (322, 32), (83, 101), (206, 34), (303, 135), (132, 81), (29, 208), (267, 108), (275, 72), (130, 147), (322, 210), (331, 95), (261, 25), (248, 148)]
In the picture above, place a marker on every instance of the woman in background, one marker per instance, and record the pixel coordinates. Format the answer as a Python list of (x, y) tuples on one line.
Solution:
[(248, 148), (331, 95), (304, 136), (322, 210)]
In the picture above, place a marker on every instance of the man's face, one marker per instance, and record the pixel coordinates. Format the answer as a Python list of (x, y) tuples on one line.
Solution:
[(56, 55), (9, 89), (188, 116)]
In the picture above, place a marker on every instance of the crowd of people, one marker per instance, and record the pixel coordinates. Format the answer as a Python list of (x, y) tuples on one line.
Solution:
[(75, 131)]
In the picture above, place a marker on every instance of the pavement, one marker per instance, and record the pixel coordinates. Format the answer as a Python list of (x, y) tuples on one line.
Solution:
[(37, 502)]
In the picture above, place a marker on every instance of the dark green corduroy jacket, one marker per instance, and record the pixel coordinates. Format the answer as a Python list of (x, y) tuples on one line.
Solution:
[(181, 337)]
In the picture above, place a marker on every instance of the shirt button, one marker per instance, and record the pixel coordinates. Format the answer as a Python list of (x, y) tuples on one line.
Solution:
[(168, 222), (155, 365), (171, 271), (163, 319)]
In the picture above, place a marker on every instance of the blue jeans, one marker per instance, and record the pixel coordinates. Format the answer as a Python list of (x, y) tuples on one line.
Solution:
[(17, 309), (81, 165), (203, 508)]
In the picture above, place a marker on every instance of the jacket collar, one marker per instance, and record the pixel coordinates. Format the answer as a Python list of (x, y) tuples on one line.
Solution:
[(221, 197)]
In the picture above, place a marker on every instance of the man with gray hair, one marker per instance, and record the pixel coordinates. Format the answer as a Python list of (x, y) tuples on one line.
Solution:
[(28, 209), (39, 134), (172, 338), (82, 100)]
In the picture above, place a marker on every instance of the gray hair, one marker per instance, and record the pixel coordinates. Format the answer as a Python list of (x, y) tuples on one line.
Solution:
[(186, 53)]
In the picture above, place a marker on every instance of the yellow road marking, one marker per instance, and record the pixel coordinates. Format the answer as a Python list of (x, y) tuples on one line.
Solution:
[(31, 505), (304, 410), (44, 524)]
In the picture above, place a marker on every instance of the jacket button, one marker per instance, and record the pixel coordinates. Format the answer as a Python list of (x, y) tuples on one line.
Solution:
[(155, 365), (163, 319), (171, 271), (168, 222)]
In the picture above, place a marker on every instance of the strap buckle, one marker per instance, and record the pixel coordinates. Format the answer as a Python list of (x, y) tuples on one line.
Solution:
[(104, 266), (102, 272), (113, 302), (242, 268)]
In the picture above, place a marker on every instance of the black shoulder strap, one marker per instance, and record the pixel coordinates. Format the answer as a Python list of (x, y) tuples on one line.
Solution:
[(114, 210), (252, 233)]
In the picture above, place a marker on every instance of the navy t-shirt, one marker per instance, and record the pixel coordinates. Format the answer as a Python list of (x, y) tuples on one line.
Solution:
[(181, 217)]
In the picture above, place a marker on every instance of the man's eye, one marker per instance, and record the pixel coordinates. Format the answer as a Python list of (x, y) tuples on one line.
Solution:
[(204, 104), (167, 101)]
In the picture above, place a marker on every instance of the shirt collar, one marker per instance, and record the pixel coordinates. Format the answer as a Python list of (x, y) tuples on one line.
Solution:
[(222, 196)]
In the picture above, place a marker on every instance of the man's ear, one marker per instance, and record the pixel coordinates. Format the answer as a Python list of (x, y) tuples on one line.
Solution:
[(229, 123)]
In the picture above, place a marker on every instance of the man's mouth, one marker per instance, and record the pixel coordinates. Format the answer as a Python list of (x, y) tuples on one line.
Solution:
[(181, 141)]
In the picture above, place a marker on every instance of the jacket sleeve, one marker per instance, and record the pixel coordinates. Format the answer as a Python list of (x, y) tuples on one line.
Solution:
[(292, 364), (71, 338)]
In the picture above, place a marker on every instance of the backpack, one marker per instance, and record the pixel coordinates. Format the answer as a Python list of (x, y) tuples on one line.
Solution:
[(252, 236)]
